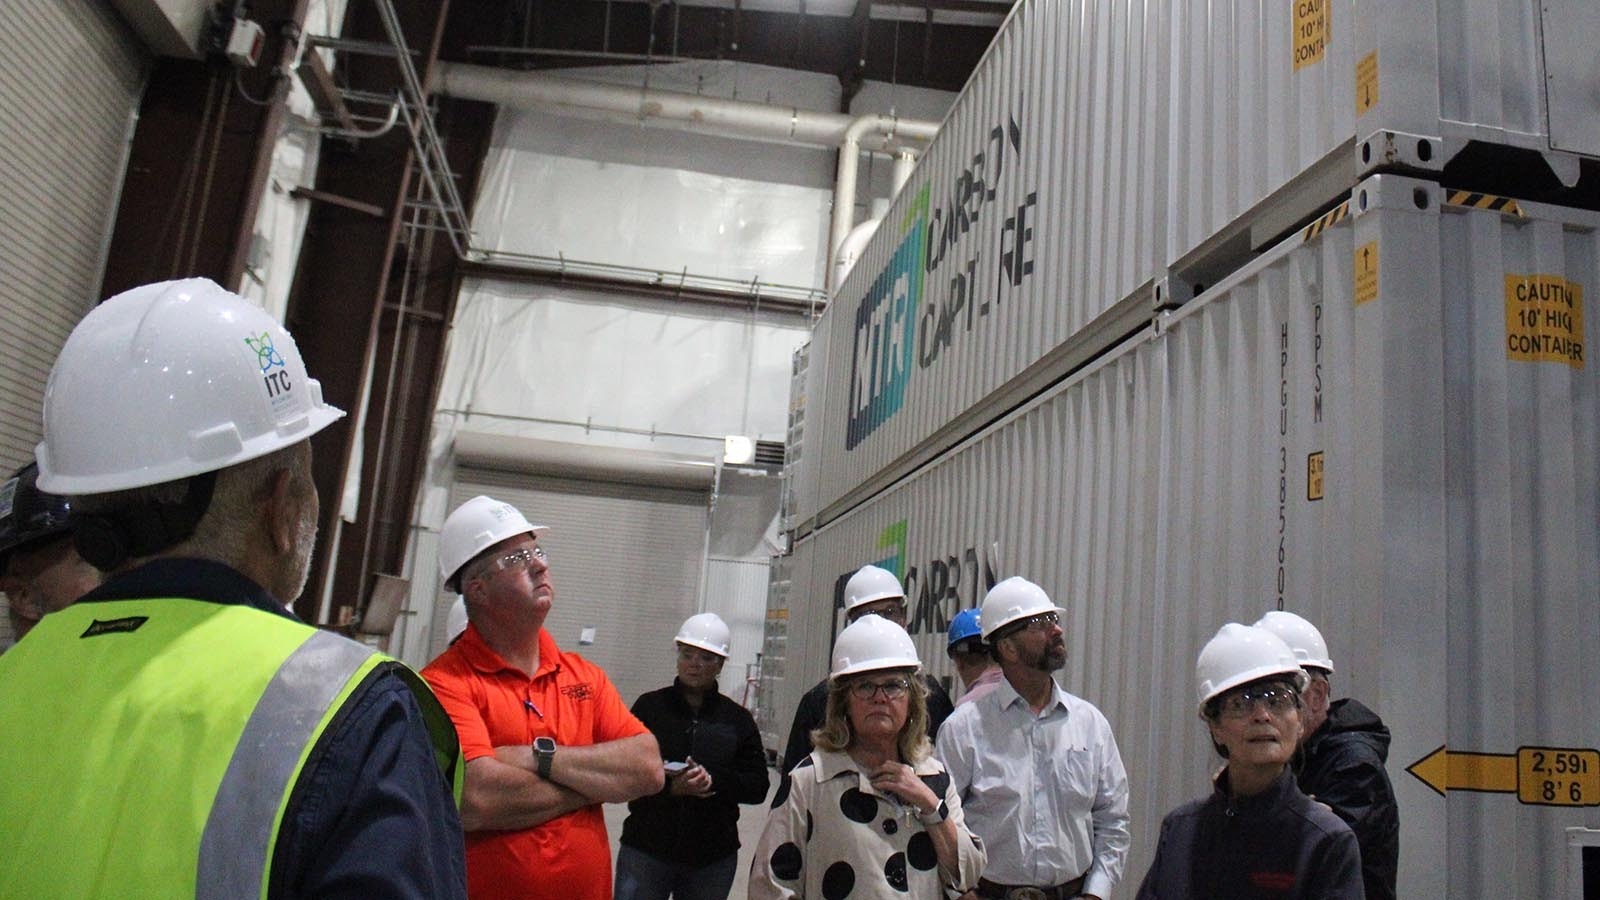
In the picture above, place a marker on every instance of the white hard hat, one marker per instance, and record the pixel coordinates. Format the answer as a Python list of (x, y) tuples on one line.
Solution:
[(1301, 636), (871, 583), (706, 631), (474, 527), (871, 643), (1013, 599), (456, 621), (170, 380), (1240, 654)]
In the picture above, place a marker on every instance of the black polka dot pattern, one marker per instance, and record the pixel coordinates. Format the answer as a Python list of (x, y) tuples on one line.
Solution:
[(890, 826), (809, 824), (858, 807), (786, 862), (920, 852), (894, 871), (838, 881)]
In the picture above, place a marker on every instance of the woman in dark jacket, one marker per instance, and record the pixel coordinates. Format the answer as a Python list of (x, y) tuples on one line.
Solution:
[(684, 841), (1257, 835)]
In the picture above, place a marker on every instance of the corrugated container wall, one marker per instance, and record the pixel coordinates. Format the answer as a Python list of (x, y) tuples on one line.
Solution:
[(1103, 147), (1264, 90), (1387, 423), (1033, 213)]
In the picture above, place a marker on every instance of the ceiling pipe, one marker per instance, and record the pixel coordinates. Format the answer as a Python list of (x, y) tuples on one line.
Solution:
[(904, 138), (850, 249)]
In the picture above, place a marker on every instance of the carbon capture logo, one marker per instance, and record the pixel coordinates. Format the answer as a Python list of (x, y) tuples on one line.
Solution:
[(886, 324)]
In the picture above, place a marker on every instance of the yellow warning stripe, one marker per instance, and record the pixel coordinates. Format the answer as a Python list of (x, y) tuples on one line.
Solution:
[(1475, 200), (1327, 221)]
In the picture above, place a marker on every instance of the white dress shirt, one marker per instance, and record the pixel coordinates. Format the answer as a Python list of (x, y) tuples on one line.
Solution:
[(1047, 794)]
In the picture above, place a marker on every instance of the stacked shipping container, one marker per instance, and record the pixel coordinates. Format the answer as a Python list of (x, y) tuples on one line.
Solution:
[(1380, 415)]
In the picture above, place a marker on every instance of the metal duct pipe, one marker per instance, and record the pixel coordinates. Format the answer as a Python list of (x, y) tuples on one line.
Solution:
[(709, 115), (692, 112)]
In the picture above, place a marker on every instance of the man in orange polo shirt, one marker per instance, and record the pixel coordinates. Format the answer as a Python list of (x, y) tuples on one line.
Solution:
[(546, 737)]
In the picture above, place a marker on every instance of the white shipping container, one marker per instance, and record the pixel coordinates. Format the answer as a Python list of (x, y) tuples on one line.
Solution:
[(1273, 102), (1031, 215), (1387, 423), (1102, 147)]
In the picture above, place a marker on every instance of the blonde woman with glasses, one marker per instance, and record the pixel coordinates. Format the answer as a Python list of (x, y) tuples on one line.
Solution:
[(871, 812)]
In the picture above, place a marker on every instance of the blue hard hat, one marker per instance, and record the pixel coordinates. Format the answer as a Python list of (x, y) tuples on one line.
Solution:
[(964, 625)]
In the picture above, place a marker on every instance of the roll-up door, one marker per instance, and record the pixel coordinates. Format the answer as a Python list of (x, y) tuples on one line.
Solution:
[(626, 559), (71, 74), (70, 78)]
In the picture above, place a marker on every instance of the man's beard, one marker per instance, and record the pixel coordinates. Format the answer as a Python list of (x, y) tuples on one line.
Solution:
[(1051, 657)]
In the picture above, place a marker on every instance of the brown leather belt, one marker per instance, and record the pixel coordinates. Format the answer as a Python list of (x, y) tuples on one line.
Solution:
[(1063, 891)]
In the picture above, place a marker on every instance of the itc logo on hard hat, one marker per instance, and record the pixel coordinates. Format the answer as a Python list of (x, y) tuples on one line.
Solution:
[(268, 358)]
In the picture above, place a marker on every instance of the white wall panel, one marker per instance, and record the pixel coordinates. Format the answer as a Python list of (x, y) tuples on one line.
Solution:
[(1448, 546)]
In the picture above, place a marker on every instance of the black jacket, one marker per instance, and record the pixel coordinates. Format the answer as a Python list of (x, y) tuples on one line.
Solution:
[(813, 709), (722, 738), (1342, 765), (1278, 844)]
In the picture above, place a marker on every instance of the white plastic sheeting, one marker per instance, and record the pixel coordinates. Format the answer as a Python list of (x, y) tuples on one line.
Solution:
[(1388, 423), (665, 200), (651, 217)]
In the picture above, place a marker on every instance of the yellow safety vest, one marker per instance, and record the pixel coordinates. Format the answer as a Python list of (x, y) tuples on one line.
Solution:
[(148, 748)]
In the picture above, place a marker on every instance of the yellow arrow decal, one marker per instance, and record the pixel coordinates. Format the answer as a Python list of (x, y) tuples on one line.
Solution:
[(1539, 776), (1452, 770)]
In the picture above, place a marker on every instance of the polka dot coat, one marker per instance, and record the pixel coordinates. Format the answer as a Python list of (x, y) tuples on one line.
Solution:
[(830, 836)]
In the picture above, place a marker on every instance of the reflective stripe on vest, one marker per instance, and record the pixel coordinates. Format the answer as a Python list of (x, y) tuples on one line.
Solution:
[(244, 817), (165, 738)]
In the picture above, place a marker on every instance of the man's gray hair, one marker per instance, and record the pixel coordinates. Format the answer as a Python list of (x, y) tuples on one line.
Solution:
[(224, 532)]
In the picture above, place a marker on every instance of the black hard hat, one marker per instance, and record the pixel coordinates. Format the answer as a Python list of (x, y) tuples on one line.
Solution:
[(28, 514)]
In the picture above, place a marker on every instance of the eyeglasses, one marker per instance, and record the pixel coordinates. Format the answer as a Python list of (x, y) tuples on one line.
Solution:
[(893, 689), (1277, 698), (693, 654), (518, 561), (1040, 622)]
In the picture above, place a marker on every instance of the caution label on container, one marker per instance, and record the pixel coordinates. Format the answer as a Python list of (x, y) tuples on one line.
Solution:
[(1367, 82), (1366, 272), (1310, 32), (1544, 319), (1314, 476)]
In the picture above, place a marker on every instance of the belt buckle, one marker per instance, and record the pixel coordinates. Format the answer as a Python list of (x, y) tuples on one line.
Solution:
[(1027, 893)]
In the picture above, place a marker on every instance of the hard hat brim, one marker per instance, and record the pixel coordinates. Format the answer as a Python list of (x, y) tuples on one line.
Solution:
[(702, 645)]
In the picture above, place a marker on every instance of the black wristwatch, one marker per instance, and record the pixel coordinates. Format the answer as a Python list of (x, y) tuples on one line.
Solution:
[(544, 752)]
